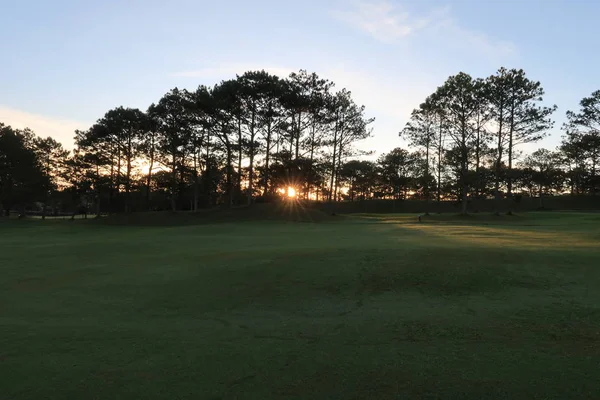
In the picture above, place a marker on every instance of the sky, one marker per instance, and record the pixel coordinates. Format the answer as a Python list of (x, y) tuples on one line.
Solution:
[(64, 63)]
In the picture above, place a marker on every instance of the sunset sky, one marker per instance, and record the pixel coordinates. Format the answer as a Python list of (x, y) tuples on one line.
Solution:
[(65, 63)]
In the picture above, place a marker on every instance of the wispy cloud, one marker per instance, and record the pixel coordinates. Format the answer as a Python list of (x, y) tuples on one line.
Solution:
[(381, 19), (449, 31), (60, 129), (388, 22)]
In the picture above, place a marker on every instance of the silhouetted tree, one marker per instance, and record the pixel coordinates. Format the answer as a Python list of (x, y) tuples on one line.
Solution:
[(174, 123), (546, 173), (399, 172), (582, 142), (22, 176), (526, 120), (459, 96), (421, 133)]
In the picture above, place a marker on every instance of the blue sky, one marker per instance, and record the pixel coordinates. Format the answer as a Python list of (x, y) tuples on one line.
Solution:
[(65, 63)]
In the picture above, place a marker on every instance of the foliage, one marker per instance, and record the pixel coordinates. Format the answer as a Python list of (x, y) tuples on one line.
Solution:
[(24, 175), (252, 137), (581, 145)]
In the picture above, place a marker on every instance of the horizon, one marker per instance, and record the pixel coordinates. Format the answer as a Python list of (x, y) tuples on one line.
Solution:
[(71, 62)]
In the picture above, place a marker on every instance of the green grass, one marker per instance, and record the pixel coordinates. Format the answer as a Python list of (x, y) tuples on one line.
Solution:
[(371, 306)]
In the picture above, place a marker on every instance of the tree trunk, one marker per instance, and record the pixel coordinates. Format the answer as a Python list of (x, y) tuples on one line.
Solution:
[(229, 176), (298, 133), (196, 182), (464, 186), (339, 157), (118, 178), (251, 167), (292, 135), (464, 198), (510, 152), (439, 164), (128, 176), (207, 176), (426, 192), (312, 156), (595, 186), (98, 209), (498, 164), (510, 159), (111, 188), (239, 166), (464, 168), (149, 177), (174, 183), (277, 141), (497, 182), (267, 158), (333, 163), (97, 189), (478, 159), (337, 172)]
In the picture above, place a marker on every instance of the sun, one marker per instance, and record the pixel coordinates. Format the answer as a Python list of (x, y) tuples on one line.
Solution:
[(291, 192)]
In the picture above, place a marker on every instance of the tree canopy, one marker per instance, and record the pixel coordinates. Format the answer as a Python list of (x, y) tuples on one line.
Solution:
[(253, 137)]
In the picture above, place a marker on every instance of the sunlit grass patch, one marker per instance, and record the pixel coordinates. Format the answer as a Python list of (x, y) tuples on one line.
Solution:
[(506, 237)]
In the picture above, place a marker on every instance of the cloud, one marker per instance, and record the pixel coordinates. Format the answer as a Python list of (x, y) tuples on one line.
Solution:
[(60, 129), (447, 29), (389, 23), (381, 19)]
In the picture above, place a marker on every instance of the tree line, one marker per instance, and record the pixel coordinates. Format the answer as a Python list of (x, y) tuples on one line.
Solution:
[(470, 130), (250, 138)]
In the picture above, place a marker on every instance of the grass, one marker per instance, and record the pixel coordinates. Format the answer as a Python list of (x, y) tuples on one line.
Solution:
[(370, 306)]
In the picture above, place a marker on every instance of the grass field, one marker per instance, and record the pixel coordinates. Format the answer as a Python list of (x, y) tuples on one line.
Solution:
[(369, 306)]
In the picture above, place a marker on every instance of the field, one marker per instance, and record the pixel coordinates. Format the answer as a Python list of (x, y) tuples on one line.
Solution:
[(368, 306)]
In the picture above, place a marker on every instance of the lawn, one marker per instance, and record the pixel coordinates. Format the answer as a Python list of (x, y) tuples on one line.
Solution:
[(369, 306)]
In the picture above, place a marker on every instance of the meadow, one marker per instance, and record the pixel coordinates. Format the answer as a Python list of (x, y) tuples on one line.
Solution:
[(355, 307)]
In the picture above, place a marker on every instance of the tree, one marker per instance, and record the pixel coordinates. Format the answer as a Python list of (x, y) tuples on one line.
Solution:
[(398, 171), (499, 93), (95, 155), (149, 147), (127, 127), (348, 125), (52, 157), (483, 115), (360, 176), (317, 97), (546, 171), (202, 125), (297, 103), (258, 91), (582, 141), (226, 111), (421, 133), (459, 97), (527, 122), (175, 134), (22, 176), (271, 117), (517, 117)]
